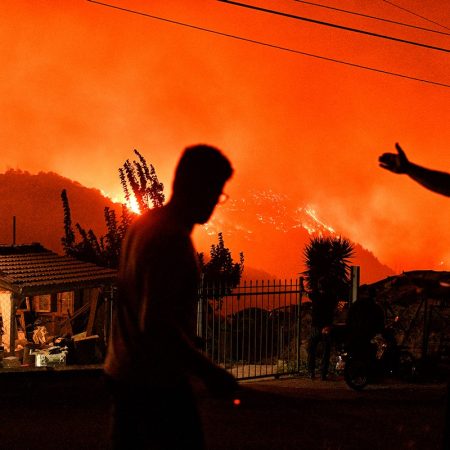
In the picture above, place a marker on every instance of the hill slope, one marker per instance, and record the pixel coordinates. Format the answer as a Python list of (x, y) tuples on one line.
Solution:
[(35, 200), (272, 233), (265, 226)]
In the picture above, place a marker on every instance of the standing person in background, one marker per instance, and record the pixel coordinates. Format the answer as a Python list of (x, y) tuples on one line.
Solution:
[(365, 320), (435, 181), (323, 306), (152, 353)]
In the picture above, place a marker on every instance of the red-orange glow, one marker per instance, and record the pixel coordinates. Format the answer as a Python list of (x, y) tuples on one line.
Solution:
[(133, 205), (236, 402), (83, 85)]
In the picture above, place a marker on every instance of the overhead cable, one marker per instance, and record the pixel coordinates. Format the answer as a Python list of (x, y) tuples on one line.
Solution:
[(415, 14), (334, 25), (266, 44), (367, 16)]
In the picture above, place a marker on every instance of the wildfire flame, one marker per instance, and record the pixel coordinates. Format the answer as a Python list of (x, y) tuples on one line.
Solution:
[(314, 225), (132, 205)]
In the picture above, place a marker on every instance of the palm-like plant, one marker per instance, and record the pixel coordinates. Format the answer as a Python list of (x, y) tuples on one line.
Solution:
[(327, 261)]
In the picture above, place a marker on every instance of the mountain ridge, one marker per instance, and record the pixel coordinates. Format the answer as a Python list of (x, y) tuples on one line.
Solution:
[(269, 231)]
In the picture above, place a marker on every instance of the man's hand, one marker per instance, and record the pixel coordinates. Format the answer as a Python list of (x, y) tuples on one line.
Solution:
[(397, 163), (221, 383)]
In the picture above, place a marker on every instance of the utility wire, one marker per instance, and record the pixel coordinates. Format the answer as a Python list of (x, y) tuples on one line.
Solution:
[(382, 19), (415, 14), (333, 25), (266, 44)]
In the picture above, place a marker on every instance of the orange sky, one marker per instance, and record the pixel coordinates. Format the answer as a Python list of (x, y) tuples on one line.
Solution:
[(82, 85)]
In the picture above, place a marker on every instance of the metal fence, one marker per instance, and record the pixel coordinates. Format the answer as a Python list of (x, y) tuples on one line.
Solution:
[(253, 330)]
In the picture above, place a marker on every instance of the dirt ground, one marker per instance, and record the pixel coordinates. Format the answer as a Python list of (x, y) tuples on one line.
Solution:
[(71, 413), (298, 413)]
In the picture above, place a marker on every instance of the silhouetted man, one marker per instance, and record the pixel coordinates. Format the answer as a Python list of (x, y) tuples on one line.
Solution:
[(322, 314), (438, 182), (152, 353), (365, 320)]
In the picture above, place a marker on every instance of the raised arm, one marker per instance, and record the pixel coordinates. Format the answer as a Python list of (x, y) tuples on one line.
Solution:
[(433, 180)]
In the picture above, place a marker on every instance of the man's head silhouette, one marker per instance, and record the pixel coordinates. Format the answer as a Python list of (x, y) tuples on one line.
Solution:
[(199, 179)]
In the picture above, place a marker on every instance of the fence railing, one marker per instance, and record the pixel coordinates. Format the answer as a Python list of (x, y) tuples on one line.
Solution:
[(253, 330)]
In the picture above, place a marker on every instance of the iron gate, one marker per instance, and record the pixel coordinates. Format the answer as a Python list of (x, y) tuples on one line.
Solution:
[(254, 329)]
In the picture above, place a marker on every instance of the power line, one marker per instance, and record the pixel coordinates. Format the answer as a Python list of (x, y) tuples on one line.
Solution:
[(334, 25), (266, 44), (382, 19), (415, 14)]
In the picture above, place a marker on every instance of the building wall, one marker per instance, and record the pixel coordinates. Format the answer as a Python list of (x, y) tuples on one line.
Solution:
[(5, 309)]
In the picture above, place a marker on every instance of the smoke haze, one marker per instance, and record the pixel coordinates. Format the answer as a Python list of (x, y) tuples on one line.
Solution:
[(82, 85)]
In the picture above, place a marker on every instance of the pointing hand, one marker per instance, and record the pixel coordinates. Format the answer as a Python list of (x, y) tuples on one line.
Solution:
[(397, 163)]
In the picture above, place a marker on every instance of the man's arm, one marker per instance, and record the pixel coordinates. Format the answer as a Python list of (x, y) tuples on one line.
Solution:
[(433, 180), (171, 286), (217, 379)]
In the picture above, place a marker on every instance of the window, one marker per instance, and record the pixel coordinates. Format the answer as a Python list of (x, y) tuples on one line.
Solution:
[(65, 301), (42, 303)]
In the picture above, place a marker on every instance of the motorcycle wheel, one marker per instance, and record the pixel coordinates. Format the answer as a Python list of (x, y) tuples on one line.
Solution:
[(356, 374), (408, 370)]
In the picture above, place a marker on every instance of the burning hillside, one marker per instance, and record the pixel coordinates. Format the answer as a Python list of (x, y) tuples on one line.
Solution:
[(266, 226), (272, 232)]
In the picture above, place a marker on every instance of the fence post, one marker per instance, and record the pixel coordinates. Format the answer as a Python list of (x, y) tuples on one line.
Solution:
[(299, 325), (355, 279), (200, 309), (426, 326)]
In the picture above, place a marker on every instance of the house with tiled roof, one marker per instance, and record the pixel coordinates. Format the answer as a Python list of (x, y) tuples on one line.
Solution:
[(40, 284)]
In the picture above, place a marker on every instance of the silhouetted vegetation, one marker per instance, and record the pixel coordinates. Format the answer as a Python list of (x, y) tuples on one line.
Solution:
[(104, 251), (143, 183), (141, 186), (327, 261), (221, 270)]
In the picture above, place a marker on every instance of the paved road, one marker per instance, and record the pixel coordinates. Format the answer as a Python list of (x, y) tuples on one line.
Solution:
[(64, 412)]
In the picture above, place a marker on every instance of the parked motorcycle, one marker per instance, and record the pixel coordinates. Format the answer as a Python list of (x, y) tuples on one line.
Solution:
[(380, 359)]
